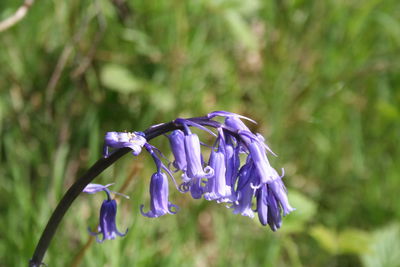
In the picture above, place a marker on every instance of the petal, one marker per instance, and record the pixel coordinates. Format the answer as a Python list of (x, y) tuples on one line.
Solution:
[(94, 188), (193, 158), (149, 214), (262, 207), (264, 169), (279, 191)]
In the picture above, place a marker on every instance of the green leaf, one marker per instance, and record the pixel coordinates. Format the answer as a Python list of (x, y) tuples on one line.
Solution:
[(119, 78)]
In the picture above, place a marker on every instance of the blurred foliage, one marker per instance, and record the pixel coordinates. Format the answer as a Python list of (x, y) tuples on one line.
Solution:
[(320, 77)]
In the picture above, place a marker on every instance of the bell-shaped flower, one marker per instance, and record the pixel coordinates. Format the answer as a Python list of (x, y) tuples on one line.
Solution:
[(278, 189), (257, 152), (274, 217), (108, 211), (193, 158), (245, 192), (216, 185), (159, 204), (177, 143), (107, 226), (232, 162), (262, 204)]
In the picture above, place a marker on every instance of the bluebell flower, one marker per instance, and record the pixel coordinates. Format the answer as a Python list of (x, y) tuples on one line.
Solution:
[(223, 161), (274, 216), (271, 203), (133, 140), (108, 211), (193, 158), (232, 161), (216, 185), (265, 171), (159, 204), (177, 143), (279, 191), (262, 204), (245, 192)]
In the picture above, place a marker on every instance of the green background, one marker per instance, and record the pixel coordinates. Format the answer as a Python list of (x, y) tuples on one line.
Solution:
[(320, 77)]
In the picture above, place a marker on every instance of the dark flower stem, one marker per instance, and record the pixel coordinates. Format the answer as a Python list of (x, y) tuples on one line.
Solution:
[(74, 191), (69, 197)]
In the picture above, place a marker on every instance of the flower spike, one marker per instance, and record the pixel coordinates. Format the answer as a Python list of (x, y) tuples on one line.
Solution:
[(237, 172)]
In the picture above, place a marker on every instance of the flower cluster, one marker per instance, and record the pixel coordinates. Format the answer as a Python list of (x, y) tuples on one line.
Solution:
[(237, 172)]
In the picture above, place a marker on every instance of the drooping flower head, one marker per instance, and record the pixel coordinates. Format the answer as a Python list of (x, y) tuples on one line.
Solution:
[(238, 171), (108, 211)]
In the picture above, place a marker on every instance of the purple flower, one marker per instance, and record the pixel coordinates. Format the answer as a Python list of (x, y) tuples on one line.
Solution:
[(108, 211), (107, 225), (274, 217), (134, 141), (262, 204), (177, 142), (279, 191), (193, 158), (216, 185), (159, 204), (271, 201), (265, 171), (245, 192), (232, 161), (224, 179)]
